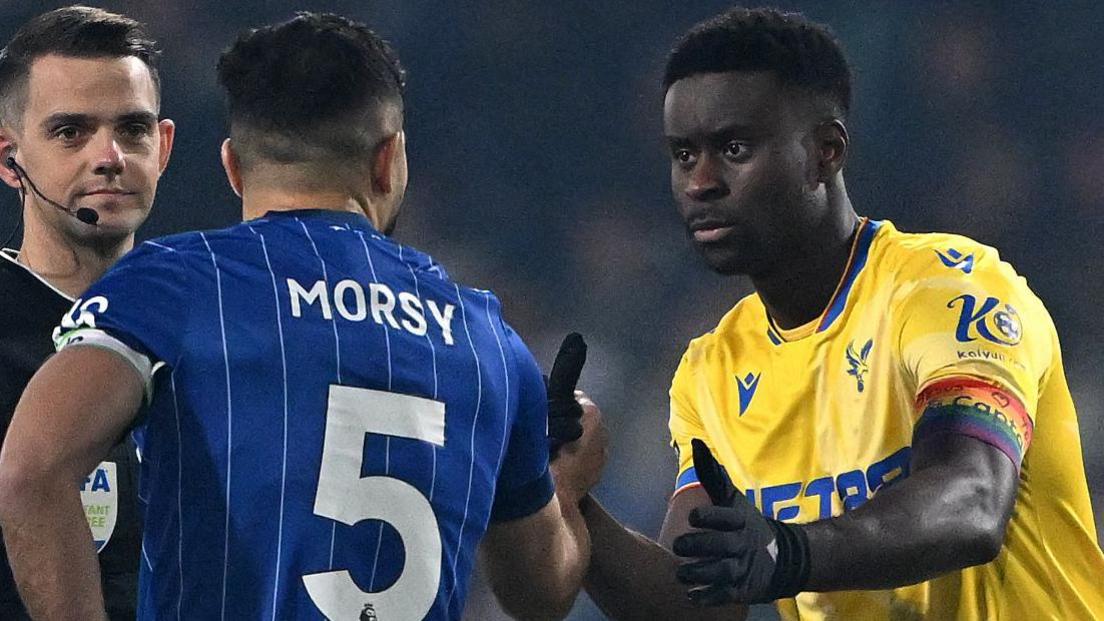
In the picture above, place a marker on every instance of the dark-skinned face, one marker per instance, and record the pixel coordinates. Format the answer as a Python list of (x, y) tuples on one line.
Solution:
[(743, 169)]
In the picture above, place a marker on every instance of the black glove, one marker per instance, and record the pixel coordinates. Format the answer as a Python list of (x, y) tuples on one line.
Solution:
[(564, 412), (742, 557)]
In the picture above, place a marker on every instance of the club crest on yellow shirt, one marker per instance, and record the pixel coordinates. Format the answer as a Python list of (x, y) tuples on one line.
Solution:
[(747, 384), (856, 361)]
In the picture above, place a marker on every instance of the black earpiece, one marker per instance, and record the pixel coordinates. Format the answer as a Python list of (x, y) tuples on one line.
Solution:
[(86, 215)]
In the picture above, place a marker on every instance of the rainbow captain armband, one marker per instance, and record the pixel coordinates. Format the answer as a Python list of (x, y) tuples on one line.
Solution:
[(978, 409)]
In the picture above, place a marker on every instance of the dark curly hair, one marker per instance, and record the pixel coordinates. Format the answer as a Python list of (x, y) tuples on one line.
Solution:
[(800, 52), (311, 89)]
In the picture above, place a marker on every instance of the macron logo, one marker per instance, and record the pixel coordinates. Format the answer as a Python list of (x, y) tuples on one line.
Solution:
[(747, 390), (954, 260)]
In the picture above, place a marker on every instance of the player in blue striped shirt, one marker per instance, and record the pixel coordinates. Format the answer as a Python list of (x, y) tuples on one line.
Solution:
[(331, 424)]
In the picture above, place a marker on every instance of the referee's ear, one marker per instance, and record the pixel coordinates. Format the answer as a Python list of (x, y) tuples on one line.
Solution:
[(232, 165), (7, 149)]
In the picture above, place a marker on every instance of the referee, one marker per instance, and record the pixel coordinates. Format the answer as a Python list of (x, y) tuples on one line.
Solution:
[(81, 142)]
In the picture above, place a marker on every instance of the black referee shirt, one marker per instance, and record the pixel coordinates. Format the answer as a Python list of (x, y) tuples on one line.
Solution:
[(29, 310)]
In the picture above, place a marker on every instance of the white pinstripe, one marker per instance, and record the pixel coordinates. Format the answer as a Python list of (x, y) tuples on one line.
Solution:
[(475, 421), (387, 440), (283, 466), (179, 497), (433, 355), (229, 424), (337, 348), (145, 556), (375, 279), (505, 374), (161, 246)]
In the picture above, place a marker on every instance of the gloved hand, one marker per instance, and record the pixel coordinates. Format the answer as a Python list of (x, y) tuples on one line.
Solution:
[(742, 556), (564, 412)]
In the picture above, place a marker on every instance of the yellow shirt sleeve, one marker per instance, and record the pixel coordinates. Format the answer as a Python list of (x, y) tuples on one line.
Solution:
[(986, 325), (976, 349), (684, 423)]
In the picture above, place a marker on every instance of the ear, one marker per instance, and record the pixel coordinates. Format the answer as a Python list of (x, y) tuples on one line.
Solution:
[(232, 165), (7, 149), (831, 149), (389, 164), (166, 129)]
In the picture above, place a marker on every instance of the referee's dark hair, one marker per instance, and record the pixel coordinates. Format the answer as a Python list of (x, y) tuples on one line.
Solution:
[(318, 89), (73, 31), (802, 53)]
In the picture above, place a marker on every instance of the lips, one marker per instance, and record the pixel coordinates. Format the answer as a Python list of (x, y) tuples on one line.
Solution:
[(708, 236), (107, 192), (709, 230)]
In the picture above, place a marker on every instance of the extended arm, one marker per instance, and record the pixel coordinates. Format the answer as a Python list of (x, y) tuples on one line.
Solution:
[(535, 564), (633, 577), (73, 411), (950, 513)]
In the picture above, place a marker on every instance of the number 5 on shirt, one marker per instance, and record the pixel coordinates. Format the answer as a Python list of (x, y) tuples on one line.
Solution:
[(344, 496)]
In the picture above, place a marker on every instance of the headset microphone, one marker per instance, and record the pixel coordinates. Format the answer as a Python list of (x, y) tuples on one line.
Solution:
[(84, 214)]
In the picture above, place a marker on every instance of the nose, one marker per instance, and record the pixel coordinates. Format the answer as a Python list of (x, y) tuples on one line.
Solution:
[(109, 160), (706, 182)]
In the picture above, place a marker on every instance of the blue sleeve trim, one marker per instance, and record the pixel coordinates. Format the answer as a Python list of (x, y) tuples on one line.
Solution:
[(688, 476), (522, 501)]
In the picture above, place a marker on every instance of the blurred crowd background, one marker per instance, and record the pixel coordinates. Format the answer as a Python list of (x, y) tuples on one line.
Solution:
[(537, 170)]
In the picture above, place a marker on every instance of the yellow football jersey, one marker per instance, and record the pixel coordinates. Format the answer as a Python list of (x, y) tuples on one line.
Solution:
[(812, 421)]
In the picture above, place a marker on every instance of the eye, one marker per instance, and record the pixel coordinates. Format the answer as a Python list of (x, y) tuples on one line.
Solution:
[(68, 133), (135, 131), (735, 150), (683, 156)]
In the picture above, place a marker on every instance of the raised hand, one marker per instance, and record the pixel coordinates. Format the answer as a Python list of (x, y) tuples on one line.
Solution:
[(739, 556), (564, 412)]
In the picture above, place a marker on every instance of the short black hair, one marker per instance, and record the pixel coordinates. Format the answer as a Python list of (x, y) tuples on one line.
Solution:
[(315, 88), (800, 52), (73, 31)]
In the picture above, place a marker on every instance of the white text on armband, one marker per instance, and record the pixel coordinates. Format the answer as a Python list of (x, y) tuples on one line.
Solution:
[(403, 311)]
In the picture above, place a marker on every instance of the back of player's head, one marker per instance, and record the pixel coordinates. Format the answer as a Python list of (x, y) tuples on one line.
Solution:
[(318, 89), (74, 31), (801, 53)]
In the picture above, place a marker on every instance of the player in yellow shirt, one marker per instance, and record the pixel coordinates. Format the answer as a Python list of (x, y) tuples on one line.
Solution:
[(890, 408)]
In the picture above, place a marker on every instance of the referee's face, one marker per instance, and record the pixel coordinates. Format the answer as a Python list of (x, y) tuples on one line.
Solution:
[(90, 137)]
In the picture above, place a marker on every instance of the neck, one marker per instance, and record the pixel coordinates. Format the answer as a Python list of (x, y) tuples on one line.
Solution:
[(264, 193), (797, 290), (258, 202), (69, 264)]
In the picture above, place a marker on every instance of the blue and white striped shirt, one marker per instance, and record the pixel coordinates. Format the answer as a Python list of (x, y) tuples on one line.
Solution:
[(332, 422)]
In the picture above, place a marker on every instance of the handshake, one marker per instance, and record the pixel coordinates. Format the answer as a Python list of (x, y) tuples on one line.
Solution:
[(577, 437), (731, 552)]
